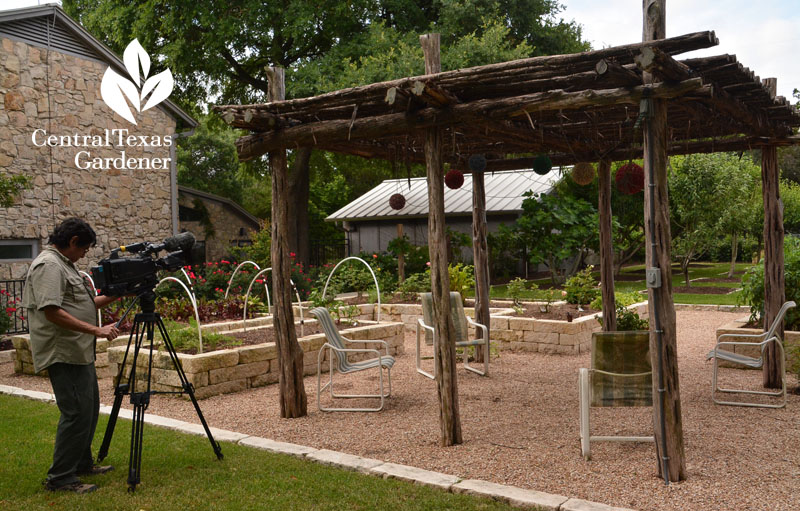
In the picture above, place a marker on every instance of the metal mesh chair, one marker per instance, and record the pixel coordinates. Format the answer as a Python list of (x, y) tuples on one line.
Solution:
[(336, 346), (755, 340), (461, 322)]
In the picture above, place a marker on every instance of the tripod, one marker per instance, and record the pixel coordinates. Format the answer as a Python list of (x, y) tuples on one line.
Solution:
[(144, 324)]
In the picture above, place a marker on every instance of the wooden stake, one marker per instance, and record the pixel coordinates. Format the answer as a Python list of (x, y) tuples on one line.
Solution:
[(446, 381), (606, 247), (669, 441), (480, 255), (293, 399), (774, 277)]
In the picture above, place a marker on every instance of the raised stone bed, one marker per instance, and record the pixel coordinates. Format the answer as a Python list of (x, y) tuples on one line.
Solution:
[(232, 370), (509, 332), (791, 342), (23, 360)]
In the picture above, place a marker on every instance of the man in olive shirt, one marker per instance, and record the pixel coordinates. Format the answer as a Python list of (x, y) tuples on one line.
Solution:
[(62, 318)]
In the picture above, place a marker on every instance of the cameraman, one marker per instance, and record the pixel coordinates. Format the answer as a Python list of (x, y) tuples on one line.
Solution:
[(62, 316)]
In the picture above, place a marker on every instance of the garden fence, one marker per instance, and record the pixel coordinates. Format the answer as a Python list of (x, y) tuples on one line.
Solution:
[(11, 300), (328, 251)]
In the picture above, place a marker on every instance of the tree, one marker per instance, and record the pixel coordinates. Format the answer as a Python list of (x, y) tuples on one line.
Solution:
[(554, 229)]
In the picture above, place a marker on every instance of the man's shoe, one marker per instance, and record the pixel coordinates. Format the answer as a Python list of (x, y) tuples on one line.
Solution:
[(76, 487), (96, 470)]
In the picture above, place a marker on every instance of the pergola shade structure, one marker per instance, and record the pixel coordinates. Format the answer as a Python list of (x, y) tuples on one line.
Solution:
[(612, 104), (577, 107)]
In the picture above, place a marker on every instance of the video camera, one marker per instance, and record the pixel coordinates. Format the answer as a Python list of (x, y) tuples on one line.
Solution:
[(118, 276)]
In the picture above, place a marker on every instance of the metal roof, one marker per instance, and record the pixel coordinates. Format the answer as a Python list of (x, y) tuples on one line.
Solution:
[(503, 195)]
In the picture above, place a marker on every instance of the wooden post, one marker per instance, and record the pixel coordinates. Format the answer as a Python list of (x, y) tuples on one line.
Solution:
[(774, 278), (446, 383), (480, 255), (669, 433), (290, 356), (401, 263), (606, 247)]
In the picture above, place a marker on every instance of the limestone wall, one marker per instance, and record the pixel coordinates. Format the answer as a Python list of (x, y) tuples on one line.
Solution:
[(122, 205), (227, 224)]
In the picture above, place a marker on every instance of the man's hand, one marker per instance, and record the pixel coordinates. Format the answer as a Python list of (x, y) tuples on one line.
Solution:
[(110, 332)]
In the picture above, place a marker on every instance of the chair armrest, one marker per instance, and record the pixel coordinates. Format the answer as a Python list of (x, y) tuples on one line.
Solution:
[(353, 350), (481, 326), (762, 343), (746, 336), (367, 341), (621, 375), (423, 325)]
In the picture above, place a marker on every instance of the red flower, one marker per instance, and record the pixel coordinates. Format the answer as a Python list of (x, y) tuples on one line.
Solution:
[(374, 256), (223, 261), (11, 309), (292, 254)]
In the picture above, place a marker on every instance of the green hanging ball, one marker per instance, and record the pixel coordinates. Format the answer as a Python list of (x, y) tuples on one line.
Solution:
[(542, 164)]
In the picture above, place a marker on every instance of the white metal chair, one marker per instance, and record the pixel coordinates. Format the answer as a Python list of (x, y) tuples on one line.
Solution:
[(620, 375), (461, 322), (757, 340), (336, 346)]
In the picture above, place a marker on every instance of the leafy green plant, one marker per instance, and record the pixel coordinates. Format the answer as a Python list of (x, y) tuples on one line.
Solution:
[(415, 283), (581, 288), (549, 297), (185, 339), (462, 278), (516, 288), (620, 298), (628, 319), (8, 306), (753, 285)]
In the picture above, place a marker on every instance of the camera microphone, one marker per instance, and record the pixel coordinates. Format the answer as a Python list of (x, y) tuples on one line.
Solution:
[(183, 242)]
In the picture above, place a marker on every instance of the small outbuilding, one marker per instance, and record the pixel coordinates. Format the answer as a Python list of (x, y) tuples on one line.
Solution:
[(370, 222)]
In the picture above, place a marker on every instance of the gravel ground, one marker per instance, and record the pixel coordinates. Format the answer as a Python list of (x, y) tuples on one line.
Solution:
[(520, 427)]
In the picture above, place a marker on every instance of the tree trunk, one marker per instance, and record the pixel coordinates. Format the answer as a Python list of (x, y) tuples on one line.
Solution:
[(480, 256), (299, 182), (669, 426), (446, 382), (685, 269), (774, 278), (290, 355), (734, 253), (401, 263), (606, 247)]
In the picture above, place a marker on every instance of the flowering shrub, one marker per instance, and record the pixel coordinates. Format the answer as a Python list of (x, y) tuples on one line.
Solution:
[(8, 308), (181, 310)]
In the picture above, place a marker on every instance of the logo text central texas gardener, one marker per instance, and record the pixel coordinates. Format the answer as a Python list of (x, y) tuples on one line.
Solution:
[(115, 88), (143, 92)]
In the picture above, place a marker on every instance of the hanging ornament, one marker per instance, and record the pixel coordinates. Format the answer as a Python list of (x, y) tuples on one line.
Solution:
[(454, 179), (583, 173), (542, 164), (477, 163), (630, 178), (397, 201)]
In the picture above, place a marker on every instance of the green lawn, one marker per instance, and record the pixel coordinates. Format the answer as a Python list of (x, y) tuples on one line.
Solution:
[(712, 271), (180, 472)]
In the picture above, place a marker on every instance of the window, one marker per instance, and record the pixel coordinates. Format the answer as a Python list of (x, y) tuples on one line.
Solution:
[(187, 214), (18, 250)]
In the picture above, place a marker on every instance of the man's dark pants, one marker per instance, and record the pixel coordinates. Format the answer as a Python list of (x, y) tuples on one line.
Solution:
[(78, 399)]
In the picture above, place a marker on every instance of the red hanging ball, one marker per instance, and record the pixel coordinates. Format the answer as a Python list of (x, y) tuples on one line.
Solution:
[(397, 201), (454, 179), (630, 178)]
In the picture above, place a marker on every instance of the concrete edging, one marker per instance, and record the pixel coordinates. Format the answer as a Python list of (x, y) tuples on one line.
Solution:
[(514, 496)]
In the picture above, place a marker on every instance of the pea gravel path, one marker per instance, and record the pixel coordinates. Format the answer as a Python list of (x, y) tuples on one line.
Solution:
[(520, 427)]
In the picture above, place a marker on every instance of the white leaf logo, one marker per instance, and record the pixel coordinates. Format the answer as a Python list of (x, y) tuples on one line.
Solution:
[(117, 90)]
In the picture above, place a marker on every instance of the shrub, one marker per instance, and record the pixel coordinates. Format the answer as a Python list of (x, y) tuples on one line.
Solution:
[(628, 319), (5, 320), (753, 285), (415, 283), (582, 287), (516, 288), (620, 298), (462, 278)]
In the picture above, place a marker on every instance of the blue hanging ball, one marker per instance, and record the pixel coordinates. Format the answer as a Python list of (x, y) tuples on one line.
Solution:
[(542, 164)]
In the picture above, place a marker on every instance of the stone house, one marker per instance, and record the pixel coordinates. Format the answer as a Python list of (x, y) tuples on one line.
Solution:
[(216, 222), (83, 157)]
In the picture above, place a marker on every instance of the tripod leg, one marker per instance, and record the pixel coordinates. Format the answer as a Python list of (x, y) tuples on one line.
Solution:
[(187, 387), (140, 401), (120, 390)]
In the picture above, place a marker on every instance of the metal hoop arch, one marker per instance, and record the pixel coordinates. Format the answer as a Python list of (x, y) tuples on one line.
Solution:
[(194, 305), (269, 306), (94, 288), (377, 287), (236, 270)]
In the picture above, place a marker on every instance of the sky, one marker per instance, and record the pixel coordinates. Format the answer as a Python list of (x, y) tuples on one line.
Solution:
[(763, 34)]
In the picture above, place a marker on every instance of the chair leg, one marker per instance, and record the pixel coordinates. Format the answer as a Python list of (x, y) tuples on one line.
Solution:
[(419, 359), (583, 398), (780, 393)]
